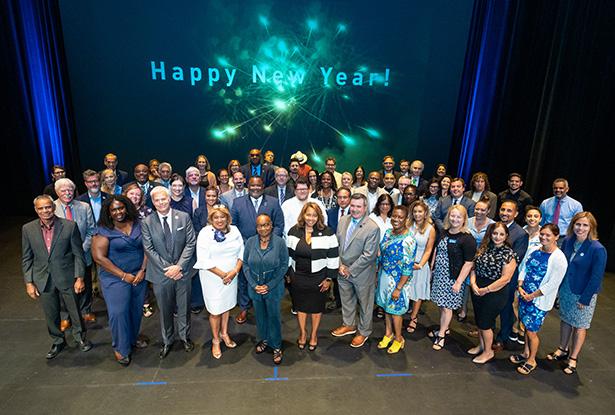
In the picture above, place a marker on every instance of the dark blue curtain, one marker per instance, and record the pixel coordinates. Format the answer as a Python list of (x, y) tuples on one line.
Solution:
[(40, 126)]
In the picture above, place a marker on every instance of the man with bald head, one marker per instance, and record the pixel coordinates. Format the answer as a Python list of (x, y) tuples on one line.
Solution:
[(372, 190), (282, 189), (141, 176)]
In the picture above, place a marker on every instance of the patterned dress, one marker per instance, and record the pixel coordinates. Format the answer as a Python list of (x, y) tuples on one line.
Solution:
[(396, 259), (535, 269)]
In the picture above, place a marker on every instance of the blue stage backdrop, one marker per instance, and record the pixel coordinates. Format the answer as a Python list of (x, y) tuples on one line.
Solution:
[(353, 79)]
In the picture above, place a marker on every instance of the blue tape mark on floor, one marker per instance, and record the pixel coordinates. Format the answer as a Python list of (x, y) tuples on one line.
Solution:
[(150, 383), (393, 375), (275, 375)]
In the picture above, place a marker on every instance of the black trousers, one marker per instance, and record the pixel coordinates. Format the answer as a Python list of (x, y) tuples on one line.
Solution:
[(51, 297)]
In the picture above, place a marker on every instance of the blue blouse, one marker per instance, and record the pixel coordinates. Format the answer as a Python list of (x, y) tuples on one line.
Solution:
[(268, 266)]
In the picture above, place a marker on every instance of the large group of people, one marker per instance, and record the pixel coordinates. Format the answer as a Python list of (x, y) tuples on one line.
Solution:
[(386, 239)]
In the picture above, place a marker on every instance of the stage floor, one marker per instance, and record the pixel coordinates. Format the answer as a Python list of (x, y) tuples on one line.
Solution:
[(333, 379)]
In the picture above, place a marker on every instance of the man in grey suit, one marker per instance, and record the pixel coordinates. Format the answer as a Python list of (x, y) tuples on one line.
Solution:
[(238, 190), (53, 266), (458, 186), (67, 207), (169, 243), (358, 236)]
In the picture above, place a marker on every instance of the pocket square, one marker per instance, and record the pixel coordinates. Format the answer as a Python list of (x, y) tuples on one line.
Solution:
[(179, 229)]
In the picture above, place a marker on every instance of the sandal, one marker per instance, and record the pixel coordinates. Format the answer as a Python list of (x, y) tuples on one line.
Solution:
[(228, 342), (396, 346), (438, 343), (555, 356), (277, 356), (215, 344), (300, 345), (384, 343), (148, 310), (312, 347), (432, 334), (260, 347), (569, 369), (412, 325), (517, 359), (526, 368)]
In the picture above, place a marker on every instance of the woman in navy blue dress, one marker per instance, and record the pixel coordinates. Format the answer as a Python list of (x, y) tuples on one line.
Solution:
[(118, 250)]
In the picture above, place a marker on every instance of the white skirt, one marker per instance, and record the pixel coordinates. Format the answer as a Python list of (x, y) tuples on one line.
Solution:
[(218, 297)]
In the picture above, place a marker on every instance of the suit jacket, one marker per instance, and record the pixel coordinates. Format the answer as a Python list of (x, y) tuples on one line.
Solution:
[(289, 191), (493, 201), (446, 202), (199, 219), (184, 244), (332, 217), (586, 270), (84, 218), (519, 239), (122, 177), (202, 201), (86, 198), (227, 198), (244, 216), (360, 254), (266, 173), (64, 263)]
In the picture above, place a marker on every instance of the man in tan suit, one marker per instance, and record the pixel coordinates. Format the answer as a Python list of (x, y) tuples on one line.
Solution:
[(358, 237)]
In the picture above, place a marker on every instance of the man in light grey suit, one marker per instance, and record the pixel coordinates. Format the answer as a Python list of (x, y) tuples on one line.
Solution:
[(53, 266), (67, 207), (169, 243), (358, 237), (456, 196), (239, 183)]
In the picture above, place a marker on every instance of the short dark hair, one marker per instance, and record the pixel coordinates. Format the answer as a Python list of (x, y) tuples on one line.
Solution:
[(177, 176), (302, 180), (343, 188), (513, 174), (381, 199), (105, 219)]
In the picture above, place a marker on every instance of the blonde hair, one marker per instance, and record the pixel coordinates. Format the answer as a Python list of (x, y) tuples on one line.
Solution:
[(461, 209), (427, 221), (220, 209), (593, 225)]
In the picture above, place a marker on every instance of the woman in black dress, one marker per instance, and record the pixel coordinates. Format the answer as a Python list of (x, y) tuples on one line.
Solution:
[(494, 266), (314, 261)]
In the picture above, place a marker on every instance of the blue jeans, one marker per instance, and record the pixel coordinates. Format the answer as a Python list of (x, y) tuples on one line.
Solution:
[(268, 317)]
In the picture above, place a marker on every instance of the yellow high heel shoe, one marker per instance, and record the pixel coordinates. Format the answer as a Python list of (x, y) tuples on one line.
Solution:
[(396, 346), (384, 343)]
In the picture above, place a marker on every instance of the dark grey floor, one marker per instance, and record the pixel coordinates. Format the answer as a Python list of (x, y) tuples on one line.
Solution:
[(334, 379)]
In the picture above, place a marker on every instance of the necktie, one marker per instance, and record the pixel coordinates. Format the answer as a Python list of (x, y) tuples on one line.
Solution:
[(558, 207), (254, 171), (341, 212), (456, 201), (195, 204), (69, 213), (256, 205), (281, 195), (349, 232), (168, 238)]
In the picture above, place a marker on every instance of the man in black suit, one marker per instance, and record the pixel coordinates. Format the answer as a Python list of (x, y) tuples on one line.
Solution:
[(111, 163), (519, 240), (416, 176), (256, 168), (388, 166), (141, 175), (94, 197), (282, 189), (53, 266), (456, 197), (57, 172)]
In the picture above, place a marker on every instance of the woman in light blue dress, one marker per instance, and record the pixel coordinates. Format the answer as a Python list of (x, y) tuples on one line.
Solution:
[(396, 260)]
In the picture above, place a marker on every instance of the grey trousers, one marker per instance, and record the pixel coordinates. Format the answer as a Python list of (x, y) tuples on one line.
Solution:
[(171, 296), (355, 291), (51, 298)]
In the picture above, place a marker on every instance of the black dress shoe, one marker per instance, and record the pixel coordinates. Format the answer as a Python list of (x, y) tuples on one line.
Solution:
[(55, 350), (84, 345), (188, 345), (197, 310), (164, 350)]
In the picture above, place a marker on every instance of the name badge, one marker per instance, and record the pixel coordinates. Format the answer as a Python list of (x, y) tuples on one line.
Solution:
[(582, 254), (452, 241)]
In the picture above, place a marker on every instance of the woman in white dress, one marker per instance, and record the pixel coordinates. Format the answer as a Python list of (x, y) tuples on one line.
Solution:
[(382, 213), (219, 253), (420, 225)]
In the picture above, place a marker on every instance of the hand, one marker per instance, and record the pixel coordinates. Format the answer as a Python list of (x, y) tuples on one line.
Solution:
[(475, 289), (457, 287), (395, 294), (79, 286), (324, 285), (174, 272), (228, 278), (482, 291), (416, 266), (287, 277), (343, 271), (139, 277), (32, 291), (261, 289), (580, 306)]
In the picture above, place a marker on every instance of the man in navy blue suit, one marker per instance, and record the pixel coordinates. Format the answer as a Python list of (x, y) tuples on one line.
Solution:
[(244, 212), (333, 216), (519, 240), (94, 197), (256, 168)]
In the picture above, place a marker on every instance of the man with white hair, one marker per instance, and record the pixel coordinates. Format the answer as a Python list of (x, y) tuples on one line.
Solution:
[(416, 176), (194, 189), (169, 243), (67, 207), (165, 171)]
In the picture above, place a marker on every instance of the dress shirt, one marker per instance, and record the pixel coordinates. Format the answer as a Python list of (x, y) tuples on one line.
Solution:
[(96, 203), (169, 217), (568, 208), (256, 202), (195, 197), (48, 234)]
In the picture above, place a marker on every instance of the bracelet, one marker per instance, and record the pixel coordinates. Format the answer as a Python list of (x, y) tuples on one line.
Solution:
[(123, 276)]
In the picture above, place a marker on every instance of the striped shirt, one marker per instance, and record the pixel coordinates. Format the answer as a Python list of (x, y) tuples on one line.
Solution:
[(325, 250)]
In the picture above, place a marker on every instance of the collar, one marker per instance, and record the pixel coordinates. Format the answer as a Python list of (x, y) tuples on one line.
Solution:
[(53, 222)]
